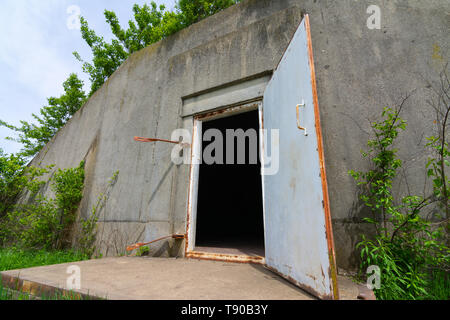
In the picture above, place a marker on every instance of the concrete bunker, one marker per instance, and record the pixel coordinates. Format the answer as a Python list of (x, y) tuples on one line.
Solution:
[(235, 60)]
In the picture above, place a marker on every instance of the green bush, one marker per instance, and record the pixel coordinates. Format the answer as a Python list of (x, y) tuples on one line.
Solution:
[(46, 223), (36, 225), (410, 250), (12, 180), (15, 177), (68, 188)]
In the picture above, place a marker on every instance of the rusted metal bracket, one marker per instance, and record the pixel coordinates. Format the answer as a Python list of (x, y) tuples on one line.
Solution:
[(140, 139), (303, 104), (140, 244)]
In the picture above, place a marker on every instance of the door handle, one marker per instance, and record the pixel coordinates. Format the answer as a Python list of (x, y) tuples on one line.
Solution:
[(303, 104)]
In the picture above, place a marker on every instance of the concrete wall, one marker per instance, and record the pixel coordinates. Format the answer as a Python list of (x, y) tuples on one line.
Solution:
[(358, 71)]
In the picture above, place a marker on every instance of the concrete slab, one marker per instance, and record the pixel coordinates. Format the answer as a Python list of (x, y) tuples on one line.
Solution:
[(142, 278)]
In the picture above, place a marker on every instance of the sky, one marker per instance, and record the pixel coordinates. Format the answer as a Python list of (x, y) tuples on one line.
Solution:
[(37, 38)]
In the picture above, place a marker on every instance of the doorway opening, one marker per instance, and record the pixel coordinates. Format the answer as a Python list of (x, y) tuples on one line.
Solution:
[(229, 217)]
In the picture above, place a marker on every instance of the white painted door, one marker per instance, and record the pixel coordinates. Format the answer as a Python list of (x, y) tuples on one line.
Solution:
[(298, 236)]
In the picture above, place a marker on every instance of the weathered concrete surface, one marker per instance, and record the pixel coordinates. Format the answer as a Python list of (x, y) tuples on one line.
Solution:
[(144, 98), (358, 71), (139, 278)]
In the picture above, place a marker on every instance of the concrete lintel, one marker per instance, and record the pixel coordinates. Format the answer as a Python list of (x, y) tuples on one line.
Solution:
[(242, 91)]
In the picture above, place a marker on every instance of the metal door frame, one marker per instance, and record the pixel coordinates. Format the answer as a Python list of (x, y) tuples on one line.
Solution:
[(194, 175), (196, 150)]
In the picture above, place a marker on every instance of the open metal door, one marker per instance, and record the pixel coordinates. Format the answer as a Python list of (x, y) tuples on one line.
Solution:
[(298, 234)]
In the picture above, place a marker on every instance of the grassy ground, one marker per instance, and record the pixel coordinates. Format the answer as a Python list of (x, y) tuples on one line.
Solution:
[(11, 259)]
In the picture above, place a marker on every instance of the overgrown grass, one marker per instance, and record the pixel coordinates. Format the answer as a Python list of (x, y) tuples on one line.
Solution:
[(11, 258), (6, 294), (439, 286)]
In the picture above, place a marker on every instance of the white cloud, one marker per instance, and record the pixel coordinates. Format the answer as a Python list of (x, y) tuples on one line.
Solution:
[(27, 48), (35, 59)]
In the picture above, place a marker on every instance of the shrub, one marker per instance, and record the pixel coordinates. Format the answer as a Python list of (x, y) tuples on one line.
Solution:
[(15, 177), (409, 249), (46, 223)]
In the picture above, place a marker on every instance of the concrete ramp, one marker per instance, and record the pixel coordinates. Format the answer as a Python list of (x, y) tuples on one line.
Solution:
[(141, 278)]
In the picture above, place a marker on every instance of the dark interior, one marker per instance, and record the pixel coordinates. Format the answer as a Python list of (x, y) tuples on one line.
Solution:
[(229, 207)]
